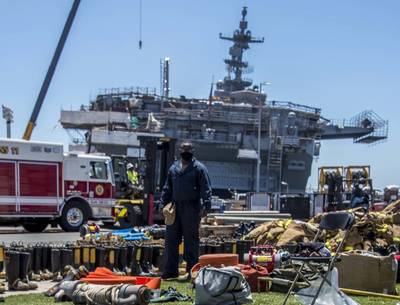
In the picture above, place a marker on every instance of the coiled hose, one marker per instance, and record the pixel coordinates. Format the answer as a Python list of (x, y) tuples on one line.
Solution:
[(112, 295)]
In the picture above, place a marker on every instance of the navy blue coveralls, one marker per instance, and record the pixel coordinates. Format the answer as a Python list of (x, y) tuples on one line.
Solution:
[(189, 190)]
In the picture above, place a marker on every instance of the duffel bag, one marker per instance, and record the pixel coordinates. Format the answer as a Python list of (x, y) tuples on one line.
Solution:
[(221, 286)]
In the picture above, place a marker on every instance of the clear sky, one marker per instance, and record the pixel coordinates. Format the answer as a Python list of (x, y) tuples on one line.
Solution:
[(341, 56)]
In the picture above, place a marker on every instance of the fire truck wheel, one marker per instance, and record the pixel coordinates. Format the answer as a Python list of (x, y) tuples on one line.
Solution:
[(37, 226), (74, 215), (132, 217)]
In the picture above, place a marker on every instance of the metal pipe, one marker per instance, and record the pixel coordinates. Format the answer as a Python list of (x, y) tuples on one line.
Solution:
[(369, 294), (279, 215), (236, 221), (8, 129), (259, 137), (245, 219), (286, 215), (8, 115), (250, 212), (259, 144)]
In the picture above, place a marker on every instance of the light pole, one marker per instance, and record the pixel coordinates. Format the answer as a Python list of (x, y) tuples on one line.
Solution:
[(8, 115), (286, 185), (259, 135)]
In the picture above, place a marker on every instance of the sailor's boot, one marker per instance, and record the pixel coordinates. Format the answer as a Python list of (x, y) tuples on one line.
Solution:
[(45, 263), (101, 257), (111, 258), (116, 263), (56, 265), (67, 257), (146, 259), (2, 287), (157, 261), (2, 273), (12, 262), (123, 259), (24, 262), (136, 269), (37, 263)]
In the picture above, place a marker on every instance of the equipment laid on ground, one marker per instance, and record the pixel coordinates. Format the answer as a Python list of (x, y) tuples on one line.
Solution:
[(330, 221), (88, 294), (221, 286), (17, 267), (369, 272), (89, 228), (41, 184), (171, 295), (266, 256), (42, 262)]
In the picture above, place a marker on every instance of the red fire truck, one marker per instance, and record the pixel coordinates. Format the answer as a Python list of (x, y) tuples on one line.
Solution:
[(40, 184)]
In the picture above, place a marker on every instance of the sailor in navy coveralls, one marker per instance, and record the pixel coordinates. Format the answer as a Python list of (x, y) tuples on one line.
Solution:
[(188, 187)]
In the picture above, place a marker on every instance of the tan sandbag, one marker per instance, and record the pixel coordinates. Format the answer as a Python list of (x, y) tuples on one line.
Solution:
[(296, 232), (396, 234), (274, 233), (262, 239), (392, 218), (394, 207), (260, 230), (396, 219), (381, 242), (353, 238), (269, 237), (367, 245)]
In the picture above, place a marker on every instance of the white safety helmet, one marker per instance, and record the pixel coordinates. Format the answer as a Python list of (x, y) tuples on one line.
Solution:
[(129, 166)]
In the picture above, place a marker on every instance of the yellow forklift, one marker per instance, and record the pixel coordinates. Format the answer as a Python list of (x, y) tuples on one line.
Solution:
[(137, 205)]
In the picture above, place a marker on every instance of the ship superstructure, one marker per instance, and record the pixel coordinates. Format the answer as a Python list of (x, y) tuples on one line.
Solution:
[(224, 127)]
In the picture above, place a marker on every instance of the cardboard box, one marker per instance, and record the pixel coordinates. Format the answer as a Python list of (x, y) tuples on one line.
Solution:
[(368, 272)]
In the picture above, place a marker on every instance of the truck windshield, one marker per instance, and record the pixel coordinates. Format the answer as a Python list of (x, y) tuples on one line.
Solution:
[(98, 170)]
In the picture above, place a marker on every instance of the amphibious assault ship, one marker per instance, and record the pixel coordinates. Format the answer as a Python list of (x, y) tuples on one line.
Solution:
[(233, 129)]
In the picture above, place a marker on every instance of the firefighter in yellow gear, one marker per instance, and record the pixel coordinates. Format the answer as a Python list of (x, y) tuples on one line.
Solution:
[(132, 174)]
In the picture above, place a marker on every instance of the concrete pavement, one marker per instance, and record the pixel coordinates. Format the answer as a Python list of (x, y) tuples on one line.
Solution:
[(51, 235), (42, 287)]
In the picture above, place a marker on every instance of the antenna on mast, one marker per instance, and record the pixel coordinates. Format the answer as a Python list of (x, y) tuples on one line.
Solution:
[(210, 100)]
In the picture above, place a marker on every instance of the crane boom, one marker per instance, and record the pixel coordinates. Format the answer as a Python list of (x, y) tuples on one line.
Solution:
[(50, 72)]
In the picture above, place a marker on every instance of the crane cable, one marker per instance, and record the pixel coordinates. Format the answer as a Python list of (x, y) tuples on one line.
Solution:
[(140, 25)]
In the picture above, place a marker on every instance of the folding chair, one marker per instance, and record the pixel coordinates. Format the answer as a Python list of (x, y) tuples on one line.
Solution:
[(331, 221)]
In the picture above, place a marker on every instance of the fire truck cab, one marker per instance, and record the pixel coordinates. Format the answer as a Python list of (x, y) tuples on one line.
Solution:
[(40, 184)]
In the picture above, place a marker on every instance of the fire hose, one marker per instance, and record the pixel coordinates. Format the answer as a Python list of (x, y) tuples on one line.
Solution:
[(121, 294)]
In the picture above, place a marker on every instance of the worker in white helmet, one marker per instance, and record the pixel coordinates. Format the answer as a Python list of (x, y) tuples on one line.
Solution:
[(132, 174)]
